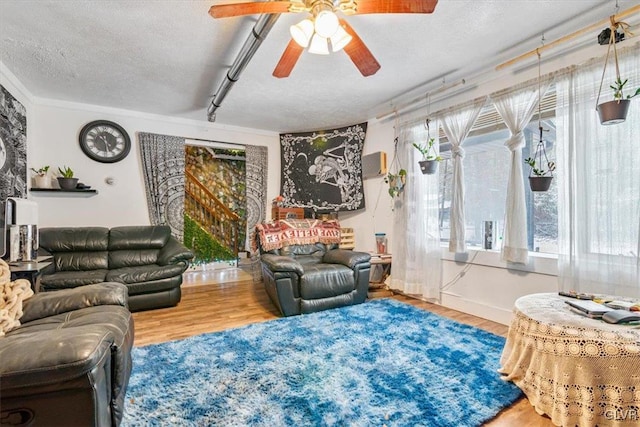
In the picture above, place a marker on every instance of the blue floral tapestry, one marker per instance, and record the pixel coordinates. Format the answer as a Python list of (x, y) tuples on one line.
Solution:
[(322, 170)]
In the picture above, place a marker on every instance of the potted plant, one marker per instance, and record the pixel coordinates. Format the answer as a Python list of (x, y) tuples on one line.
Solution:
[(430, 159), (615, 111), (396, 182), (541, 179), (41, 179), (66, 180)]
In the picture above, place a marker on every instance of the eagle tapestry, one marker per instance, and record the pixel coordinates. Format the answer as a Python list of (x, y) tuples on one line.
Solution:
[(322, 170)]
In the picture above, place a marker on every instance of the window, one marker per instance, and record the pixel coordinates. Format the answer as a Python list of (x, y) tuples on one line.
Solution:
[(486, 168)]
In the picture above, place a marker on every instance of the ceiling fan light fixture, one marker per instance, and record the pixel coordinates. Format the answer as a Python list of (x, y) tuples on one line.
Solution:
[(326, 23), (319, 45), (302, 32), (340, 39)]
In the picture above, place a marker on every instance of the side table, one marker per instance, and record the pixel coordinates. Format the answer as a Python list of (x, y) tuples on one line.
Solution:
[(577, 370), (30, 270), (380, 265)]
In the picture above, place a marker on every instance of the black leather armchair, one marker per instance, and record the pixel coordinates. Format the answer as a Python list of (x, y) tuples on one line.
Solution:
[(69, 362), (313, 277), (147, 259)]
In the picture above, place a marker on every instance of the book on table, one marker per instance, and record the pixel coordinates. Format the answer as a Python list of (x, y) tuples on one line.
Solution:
[(589, 307)]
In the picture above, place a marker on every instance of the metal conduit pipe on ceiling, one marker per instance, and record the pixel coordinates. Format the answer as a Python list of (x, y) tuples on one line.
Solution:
[(249, 48)]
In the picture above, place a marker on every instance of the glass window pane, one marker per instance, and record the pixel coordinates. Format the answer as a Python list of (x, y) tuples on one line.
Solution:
[(542, 207), (486, 169)]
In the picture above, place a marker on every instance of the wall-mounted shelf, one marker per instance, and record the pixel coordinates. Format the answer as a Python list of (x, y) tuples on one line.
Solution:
[(59, 192)]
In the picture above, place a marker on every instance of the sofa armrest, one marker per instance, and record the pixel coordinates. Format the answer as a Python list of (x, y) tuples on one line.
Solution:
[(174, 252), (47, 304), (281, 263), (346, 258)]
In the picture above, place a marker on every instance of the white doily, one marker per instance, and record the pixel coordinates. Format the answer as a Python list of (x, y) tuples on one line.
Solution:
[(577, 370)]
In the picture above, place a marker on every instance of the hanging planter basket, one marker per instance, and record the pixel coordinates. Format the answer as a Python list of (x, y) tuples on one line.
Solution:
[(397, 183), (395, 180), (613, 112), (430, 157), (540, 183), (539, 178), (428, 167)]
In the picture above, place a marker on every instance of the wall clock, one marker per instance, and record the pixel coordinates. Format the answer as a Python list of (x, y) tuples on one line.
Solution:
[(104, 141)]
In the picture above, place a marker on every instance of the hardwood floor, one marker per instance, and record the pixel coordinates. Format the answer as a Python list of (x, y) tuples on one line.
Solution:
[(208, 306)]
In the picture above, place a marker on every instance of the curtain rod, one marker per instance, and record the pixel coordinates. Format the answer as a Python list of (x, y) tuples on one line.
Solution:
[(407, 104), (629, 12)]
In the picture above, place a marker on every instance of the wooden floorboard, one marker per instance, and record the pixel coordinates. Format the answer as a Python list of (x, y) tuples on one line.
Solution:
[(208, 306)]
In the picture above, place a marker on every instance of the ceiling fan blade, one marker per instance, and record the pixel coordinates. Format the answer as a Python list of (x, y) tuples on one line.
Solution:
[(394, 6), (288, 60), (360, 53), (250, 8)]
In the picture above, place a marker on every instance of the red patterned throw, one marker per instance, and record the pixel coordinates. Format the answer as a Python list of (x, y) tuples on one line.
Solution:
[(285, 232)]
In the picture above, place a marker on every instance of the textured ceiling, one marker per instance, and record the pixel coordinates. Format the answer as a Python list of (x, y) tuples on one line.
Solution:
[(168, 57)]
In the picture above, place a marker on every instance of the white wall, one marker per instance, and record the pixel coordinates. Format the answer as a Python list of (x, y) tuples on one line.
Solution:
[(480, 285), (52, 135), (377, 216)]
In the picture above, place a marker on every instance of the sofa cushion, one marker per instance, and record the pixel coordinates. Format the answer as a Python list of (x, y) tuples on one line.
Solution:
[(139, 237), (326, 280), (74, 239), (71, 279), (317, 249), (79, 338), (76, 248), (146, 273), (80, 261), (132, 258)]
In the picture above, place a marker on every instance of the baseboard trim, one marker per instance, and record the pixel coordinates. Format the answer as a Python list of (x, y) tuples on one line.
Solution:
[(479, 309)]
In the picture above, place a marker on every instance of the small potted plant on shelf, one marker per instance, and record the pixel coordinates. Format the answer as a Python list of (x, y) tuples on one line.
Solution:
[(430, 159), (66, 180), (541, 179), (41, 179), (396, 182), (615, 111)]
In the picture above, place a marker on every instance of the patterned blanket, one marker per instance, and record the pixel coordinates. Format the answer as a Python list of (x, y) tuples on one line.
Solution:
[(12, 294), (285, 232)]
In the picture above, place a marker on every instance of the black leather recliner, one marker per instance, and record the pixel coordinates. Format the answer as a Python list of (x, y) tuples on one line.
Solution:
[(148, 259), (69, 362), (307, 278)]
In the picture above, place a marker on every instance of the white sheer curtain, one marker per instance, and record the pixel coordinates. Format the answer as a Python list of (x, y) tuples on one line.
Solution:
[(516, 107), (417, 257), (456, 125), (599, 197)]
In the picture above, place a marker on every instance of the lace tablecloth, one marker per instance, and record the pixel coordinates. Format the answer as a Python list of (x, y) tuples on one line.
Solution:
[(578, 371)]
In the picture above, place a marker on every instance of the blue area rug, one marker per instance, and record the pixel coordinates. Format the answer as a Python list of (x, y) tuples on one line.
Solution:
[(379, 363)]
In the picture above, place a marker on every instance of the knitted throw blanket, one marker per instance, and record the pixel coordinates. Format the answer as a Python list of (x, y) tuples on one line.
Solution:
[(285, 232), (12, 294)]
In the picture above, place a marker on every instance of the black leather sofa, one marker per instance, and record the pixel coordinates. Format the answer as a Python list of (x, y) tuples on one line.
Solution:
[(313, 277), (68, 363), (147, 259)]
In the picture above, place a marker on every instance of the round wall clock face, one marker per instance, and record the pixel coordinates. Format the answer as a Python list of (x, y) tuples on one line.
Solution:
[(104, 141)]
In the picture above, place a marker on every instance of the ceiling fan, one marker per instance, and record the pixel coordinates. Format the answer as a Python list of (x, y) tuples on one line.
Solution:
[(324, 30)]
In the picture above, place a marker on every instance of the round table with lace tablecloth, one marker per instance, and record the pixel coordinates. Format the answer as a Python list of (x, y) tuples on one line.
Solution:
[(577, 370)]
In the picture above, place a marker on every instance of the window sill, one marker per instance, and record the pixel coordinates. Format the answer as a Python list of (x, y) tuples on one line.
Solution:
[(539, 263)]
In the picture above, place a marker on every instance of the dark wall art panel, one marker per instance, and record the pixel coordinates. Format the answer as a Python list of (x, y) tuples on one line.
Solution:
[(322, 170), (13, 146)]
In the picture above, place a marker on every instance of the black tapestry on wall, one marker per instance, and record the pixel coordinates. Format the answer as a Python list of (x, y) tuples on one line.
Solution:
[(13, 146), (322, 170)]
